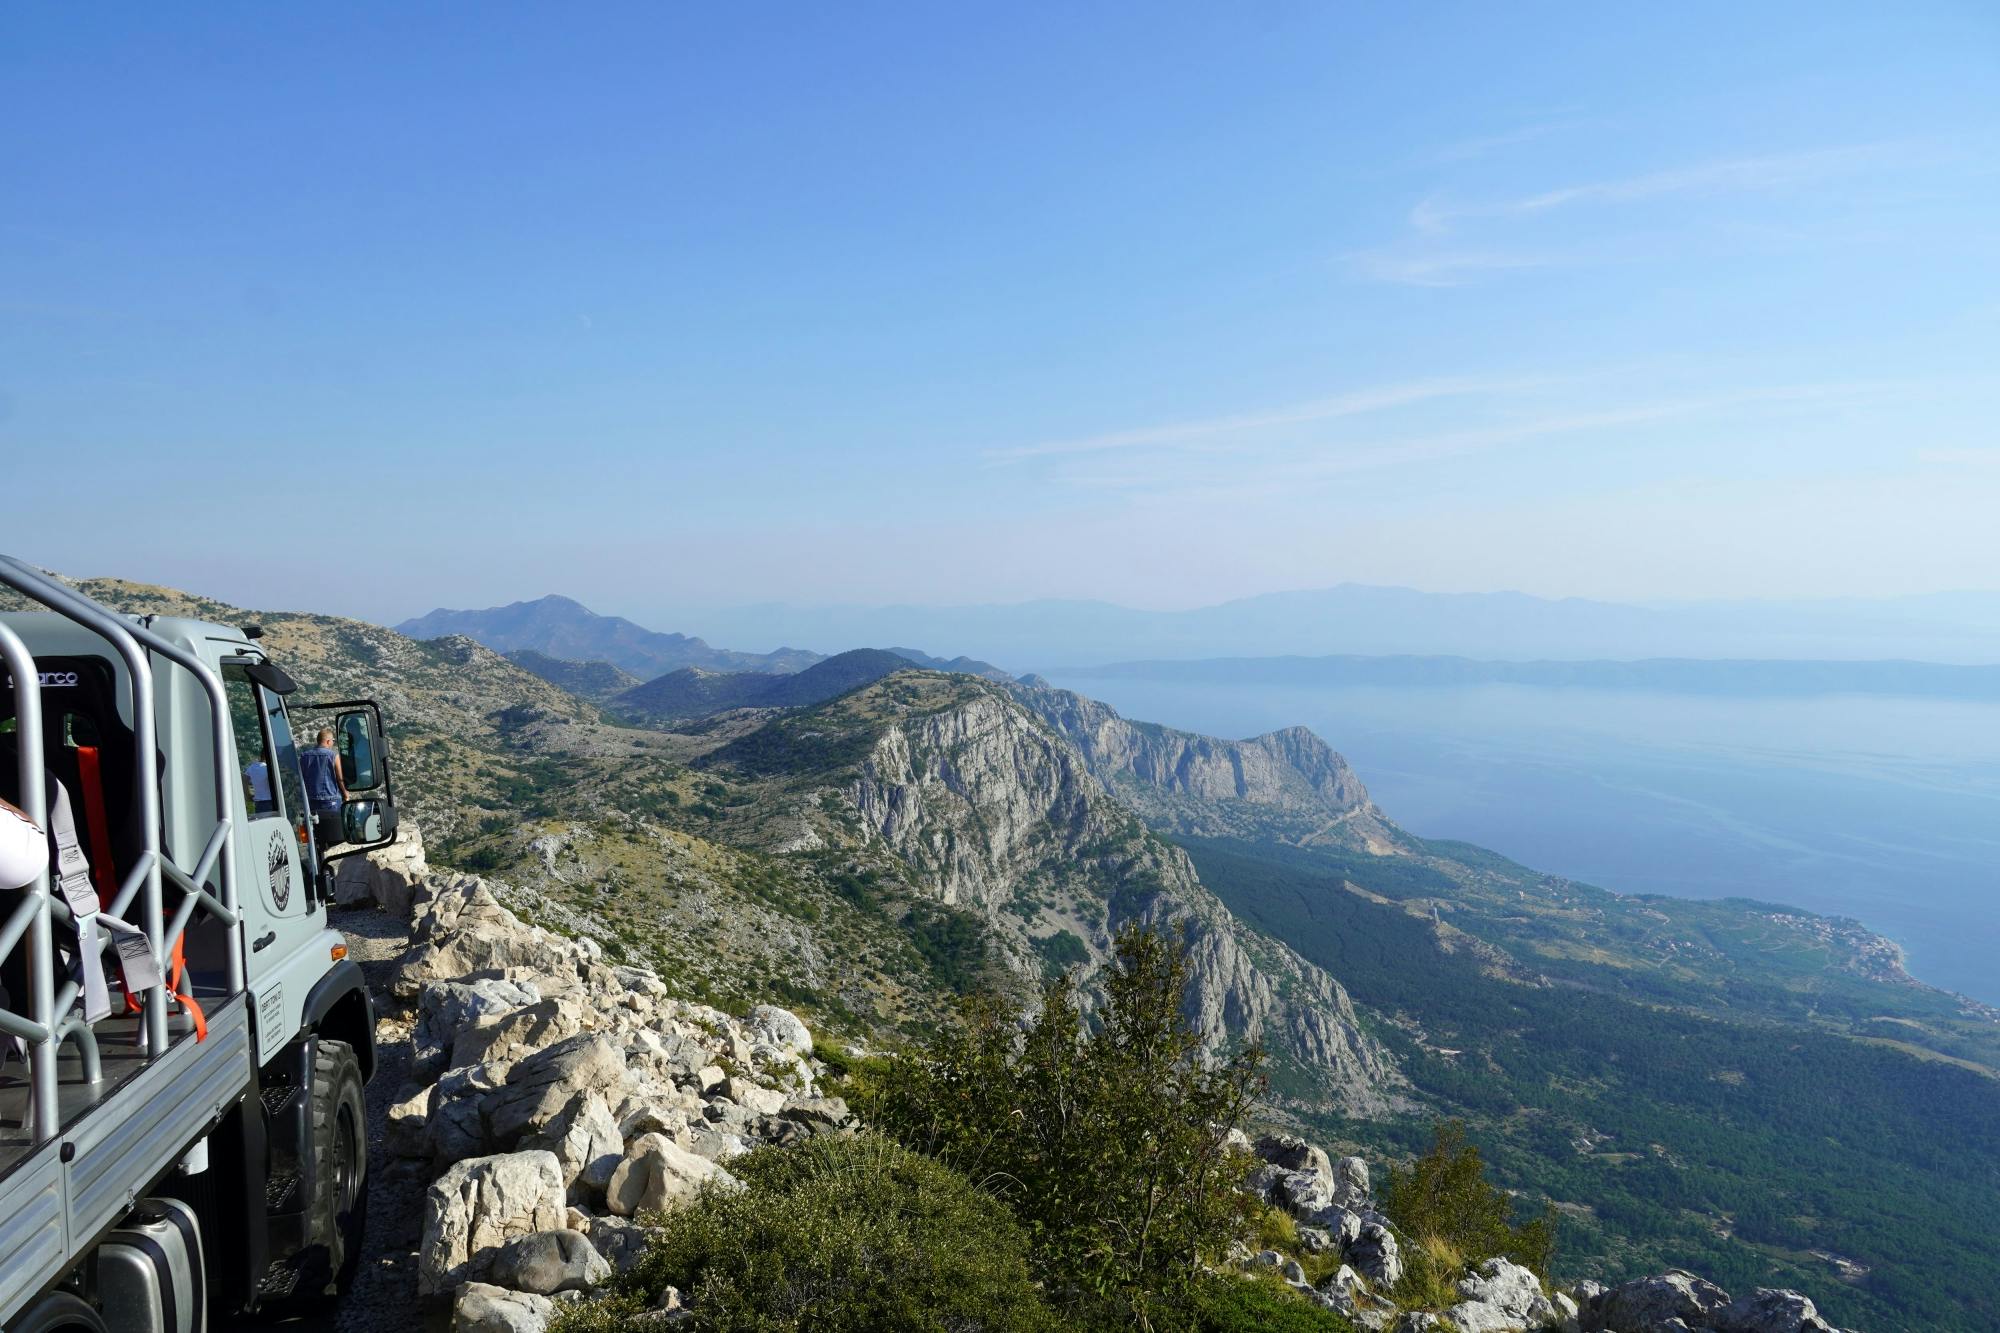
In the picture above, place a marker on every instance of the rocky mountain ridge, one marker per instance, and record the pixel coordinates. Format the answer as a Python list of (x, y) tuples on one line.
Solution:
[(1286, 784), (991, 809)]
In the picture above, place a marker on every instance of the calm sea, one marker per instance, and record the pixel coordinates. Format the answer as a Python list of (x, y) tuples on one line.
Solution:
[(1881, 808)]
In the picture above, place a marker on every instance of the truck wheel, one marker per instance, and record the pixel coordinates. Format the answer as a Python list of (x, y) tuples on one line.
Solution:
[(339, 1173), (60, 1312)]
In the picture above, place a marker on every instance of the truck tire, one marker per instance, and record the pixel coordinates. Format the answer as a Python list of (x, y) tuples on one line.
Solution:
[(339, 1148), (60, 1312)]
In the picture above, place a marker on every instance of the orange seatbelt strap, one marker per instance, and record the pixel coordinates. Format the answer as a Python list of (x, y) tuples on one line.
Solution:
[(91, 774)]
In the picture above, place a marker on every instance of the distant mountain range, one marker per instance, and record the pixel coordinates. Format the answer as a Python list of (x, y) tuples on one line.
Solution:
[(563, 628), (1361, 620), (1669, 674)]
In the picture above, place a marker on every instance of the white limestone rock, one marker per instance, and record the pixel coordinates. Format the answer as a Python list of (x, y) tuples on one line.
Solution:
[(657, 1172), (477, 1206), (484, 1308)]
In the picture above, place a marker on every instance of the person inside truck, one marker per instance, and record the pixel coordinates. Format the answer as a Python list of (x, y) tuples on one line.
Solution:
[(326, 790), (24, 849), (258, 774)]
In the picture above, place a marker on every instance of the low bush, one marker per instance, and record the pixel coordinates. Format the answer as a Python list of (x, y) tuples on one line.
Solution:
[(1454, 1215), (1104, 1137), (840, 1235), (1250, 1305)]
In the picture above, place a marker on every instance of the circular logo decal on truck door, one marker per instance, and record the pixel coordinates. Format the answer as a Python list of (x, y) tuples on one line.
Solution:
[(278, 865)]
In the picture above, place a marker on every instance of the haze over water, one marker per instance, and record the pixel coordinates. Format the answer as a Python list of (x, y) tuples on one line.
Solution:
[(1881, 808)]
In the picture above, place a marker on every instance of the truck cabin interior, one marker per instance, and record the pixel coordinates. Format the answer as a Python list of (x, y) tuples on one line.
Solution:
[(89, 749)]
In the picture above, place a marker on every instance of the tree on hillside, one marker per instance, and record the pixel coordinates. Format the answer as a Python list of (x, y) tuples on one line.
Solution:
[(1445, 1203), (1106, 1138)]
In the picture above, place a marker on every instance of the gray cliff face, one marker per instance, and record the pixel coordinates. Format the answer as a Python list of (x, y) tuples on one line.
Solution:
[(1287, 783), (1001, 816)]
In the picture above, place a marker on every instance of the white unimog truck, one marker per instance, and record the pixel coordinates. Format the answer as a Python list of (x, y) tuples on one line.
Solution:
[(183, 1040)]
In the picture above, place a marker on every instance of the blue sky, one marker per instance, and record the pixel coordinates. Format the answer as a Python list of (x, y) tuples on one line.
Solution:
[(373, 308)]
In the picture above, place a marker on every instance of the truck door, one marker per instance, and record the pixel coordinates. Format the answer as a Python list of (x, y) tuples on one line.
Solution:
[(368, 819), (282, 918)]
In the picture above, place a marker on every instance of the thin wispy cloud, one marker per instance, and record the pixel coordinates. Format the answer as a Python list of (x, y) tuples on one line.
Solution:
[(1484, 145), (1451, 268), (1357, 402), (1440, 249), (1165, 475)]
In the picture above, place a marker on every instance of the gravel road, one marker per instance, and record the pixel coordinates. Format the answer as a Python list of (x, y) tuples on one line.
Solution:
[(384, 1296)]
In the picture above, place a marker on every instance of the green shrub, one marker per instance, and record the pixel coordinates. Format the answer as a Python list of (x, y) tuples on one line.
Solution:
[(1250, 1305), (1107, 1144), (1444, 1202), (844, 1235)]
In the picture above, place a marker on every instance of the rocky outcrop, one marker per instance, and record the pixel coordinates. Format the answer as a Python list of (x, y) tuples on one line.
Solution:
[(999, 815), (1496, 1295), (1285, 784), (566, 1101), (1677, 1300), (386, 877)]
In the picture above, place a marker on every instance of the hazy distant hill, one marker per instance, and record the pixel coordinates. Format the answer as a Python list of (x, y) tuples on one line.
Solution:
[(1677, 675), (692, 693), (1356, 619), (591, 680), (560, 627)]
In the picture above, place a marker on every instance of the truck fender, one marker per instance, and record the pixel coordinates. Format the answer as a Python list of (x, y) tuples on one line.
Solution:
[(339, 1006)]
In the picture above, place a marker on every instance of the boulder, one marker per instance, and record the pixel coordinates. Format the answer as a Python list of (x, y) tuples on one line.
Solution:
[(1501, 1297), (1376, 1256), (493, 948), (657, 1172), (1342, 1225), (585, 1140), (1351, 1184), (541, 1086), (781, 1028), (621, 1242), (1652, 1304), (1294, 1154), (447, 1008), (387, 876), (477, 1206), (403, 1129), (1305, 1194), (546, 1262), (519, 1034), (1766, 1310), (752, 1098), (482, 1308), (453, 1128), (715, 1144)]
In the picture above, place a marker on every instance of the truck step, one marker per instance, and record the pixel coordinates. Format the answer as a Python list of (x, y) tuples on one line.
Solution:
[(276, 1097), (281, 1192), (279, 1282)]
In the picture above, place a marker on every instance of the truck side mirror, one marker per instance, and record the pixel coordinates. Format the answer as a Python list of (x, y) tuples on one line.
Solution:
[(367, 820), (358, 737)]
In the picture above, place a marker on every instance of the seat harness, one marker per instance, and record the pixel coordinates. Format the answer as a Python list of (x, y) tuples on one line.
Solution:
[(135, 953)]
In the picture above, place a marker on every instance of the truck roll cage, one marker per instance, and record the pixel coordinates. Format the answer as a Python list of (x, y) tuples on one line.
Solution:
[(50, 1021)]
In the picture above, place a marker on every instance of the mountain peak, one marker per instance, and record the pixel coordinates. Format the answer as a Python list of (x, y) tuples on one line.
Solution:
[(561, 627)]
